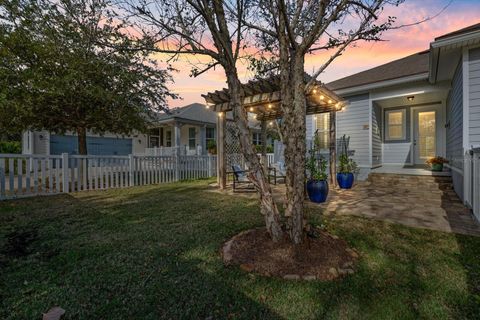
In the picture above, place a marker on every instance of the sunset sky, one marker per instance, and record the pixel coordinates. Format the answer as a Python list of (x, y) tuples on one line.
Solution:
[(399, 43)]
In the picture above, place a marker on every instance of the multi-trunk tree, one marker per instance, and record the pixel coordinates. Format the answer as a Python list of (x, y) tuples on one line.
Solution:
[(286, 31), (61, 69)]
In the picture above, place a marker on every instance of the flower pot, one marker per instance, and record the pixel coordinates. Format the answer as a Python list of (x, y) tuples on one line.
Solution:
[(437, 166), (345, 180), (317, 190)]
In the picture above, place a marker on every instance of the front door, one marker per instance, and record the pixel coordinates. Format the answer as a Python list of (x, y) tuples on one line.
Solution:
[(425, 133)]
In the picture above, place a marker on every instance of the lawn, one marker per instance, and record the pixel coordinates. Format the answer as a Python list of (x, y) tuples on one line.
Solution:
[(153, 253)]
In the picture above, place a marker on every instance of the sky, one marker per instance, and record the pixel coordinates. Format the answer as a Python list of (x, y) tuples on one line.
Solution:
[(398, 43)]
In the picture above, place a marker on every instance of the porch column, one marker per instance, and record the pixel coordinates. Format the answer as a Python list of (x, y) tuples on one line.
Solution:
[(203, 139), (333, 152), (221, 163), (176, 131), (263, 136)]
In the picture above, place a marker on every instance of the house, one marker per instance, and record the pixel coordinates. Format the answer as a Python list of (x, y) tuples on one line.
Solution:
[(403, 112), (190, 127)]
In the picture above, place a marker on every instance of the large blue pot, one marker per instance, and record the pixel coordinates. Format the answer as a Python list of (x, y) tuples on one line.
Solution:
[(317, 190), (345, 180)]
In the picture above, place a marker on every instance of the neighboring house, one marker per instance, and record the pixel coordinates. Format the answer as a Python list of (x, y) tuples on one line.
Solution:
[(401, 113), (190, 128)]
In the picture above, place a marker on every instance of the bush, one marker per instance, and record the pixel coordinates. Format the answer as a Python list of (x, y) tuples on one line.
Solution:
[(10, 147)]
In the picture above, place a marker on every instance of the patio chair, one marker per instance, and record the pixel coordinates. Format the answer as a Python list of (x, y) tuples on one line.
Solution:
[(277, 171), (240, 179)]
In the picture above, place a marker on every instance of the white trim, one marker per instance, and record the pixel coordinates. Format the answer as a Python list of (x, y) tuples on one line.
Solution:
[(387, 137), (386, 83), (466, 98), (464, 37), (457, 170), (370, 131)]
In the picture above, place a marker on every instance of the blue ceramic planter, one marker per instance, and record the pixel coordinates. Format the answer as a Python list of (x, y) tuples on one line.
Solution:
[(317, 190), (345, 180)]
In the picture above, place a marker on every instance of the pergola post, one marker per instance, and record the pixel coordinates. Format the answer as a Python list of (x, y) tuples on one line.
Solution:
[(221, 163), (333, 152)]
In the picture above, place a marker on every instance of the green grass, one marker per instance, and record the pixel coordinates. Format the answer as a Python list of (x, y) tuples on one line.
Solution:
[(153, 253)]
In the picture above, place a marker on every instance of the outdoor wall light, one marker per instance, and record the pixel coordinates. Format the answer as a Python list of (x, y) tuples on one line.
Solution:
[(410, 98)]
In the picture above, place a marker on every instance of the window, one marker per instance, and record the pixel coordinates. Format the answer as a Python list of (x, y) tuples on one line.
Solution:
[(322, 125), (210, 135), (395, 121), (153, 138), (168, 137), (192, 143), (257, 138)]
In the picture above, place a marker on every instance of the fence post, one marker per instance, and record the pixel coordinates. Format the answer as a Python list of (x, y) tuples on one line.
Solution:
[(177, 163), (209, 165), (131, 170), (65, 172)]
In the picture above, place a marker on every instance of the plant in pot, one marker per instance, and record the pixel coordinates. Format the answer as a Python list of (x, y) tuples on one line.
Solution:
[(436, 163), (212, 147), (317, 185), (346, 166)]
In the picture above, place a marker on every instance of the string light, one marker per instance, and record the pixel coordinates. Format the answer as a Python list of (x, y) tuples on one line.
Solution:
[(271, 123), (322, 97), (314, 90), (330, 101), (269, 106), (251, 109), (220, 114)]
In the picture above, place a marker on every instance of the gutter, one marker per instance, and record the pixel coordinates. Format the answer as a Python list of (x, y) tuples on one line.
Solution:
[(376, 85)]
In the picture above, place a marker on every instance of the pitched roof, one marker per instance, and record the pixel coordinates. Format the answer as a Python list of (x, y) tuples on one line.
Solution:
[(411, 65), (194, 112), (471, 28)]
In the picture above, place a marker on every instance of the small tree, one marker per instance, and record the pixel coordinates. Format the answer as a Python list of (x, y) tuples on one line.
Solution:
[(61, 69)]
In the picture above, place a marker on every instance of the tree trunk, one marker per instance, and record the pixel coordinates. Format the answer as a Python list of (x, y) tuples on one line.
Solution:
[(257, 173), (293, 98), (82, 140)]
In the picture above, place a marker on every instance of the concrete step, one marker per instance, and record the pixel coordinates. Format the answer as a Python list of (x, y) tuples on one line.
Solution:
[(412, 184)]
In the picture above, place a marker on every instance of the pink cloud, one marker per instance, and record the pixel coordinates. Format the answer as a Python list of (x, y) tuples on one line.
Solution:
[(399, 43)]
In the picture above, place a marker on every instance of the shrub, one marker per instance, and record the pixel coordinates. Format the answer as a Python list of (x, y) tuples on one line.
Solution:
[(10, 147)]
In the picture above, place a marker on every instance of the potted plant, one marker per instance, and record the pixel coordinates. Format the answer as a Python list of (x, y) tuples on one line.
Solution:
[(436, 163), (317, 185), (346, 167), (212, 147)]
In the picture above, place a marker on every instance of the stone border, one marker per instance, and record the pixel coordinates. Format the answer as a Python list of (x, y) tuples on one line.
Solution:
[(347, 268)]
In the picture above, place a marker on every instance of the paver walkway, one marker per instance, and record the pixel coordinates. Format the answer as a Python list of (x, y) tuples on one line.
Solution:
[(416, 201)]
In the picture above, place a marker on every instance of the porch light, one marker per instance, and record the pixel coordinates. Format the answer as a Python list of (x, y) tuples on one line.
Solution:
[(410, 98)]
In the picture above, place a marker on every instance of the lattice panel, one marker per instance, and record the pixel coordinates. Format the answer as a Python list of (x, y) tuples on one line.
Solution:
[(233, 151)]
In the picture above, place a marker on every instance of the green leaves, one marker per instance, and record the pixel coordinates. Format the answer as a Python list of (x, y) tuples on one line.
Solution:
[(71, 64)]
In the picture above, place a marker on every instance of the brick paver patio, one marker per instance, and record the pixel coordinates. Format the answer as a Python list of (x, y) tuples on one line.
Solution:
[(416, 201)]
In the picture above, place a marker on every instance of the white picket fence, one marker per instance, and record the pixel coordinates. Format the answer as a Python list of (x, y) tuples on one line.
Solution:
[(30, 175), (471, 174)]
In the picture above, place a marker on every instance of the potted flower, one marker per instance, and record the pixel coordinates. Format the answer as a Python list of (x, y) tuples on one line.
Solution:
[(317, 185), (346, 166), (212, 147), (436, 163)]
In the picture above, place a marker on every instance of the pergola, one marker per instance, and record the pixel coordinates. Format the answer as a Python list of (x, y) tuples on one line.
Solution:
[(262, 98)]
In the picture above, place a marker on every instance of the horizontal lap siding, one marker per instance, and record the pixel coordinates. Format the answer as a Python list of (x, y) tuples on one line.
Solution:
[(376, 135), (397, 153), (353, 121), (474, 97), (455, 120)]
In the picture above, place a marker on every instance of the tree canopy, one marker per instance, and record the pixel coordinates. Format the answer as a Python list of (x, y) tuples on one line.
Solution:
[(66, 66)]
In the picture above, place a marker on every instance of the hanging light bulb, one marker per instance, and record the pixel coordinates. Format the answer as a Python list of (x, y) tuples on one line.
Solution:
[(269, 106), (271, 123), (314, 90), (322, 97), (251, 109), (330, 101)]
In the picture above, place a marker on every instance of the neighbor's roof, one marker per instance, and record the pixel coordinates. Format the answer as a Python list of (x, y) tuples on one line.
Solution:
[(414, 64), (474, 27), (194, 112)]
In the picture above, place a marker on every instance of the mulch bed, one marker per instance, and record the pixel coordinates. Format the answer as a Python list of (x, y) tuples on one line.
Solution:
[(322, 257)]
